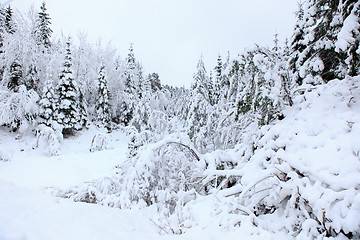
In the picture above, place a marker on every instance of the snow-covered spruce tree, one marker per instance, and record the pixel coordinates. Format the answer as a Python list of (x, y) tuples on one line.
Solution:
[(326, 41), (198, 118), (32, 78), (297, 43), (8, 23), (43, 31), (225, 82), (348, 39), (16, 75), (128, 103), (155, 83), (133, 88), (202, 83), (178, 103), (265, 84), (103, 108), (218, 70), (234, 80), (142, 109), (83, 108), (48, 105), (69, 114)]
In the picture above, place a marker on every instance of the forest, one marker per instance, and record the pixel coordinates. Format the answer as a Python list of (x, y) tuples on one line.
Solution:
[(269, 136)]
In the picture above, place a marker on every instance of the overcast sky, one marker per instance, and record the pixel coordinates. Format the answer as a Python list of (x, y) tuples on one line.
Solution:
[(169, 36)]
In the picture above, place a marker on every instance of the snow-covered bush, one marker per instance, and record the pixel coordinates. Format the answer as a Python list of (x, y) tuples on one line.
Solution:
[(162, 169), (18, 110), (164, 173), (49, 140), (136, 140), (99, 142)]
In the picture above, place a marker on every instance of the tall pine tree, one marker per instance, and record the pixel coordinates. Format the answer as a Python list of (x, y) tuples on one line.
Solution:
[(102, 108), (16, 76), (9, 24), (68, 113), (43, 31), (48, 106)]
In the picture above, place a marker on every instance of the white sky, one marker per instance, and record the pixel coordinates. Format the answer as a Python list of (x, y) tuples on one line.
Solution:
[(170, 35)]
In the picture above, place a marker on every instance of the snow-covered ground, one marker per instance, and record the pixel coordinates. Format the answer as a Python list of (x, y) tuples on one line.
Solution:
[(29, 212)]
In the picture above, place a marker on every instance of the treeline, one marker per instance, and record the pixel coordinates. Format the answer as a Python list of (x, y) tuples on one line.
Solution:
[(64, 86)]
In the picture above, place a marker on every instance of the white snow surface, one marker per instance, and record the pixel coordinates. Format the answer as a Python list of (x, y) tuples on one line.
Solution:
[(29, 212)]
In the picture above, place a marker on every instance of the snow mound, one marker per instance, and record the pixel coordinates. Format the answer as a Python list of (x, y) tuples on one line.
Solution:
[(305, 169)]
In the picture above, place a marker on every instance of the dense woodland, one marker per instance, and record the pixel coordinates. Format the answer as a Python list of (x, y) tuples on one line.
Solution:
[(54, 89)]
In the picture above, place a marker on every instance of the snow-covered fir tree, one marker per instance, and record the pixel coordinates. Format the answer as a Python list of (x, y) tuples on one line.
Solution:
[(69, 114), (155, 83), (48, 106), (103, 108), (203, 84), (348, 39), (16, 75), (132, 87), (32, 78), (8, 24), (325, 41), (43, 31)]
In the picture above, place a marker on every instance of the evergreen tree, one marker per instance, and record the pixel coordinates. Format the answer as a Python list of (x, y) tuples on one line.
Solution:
[(155, 83), (225, 82), (16, 76), (68, 114), (32, 79), (102, 107), (218, 79), (43, 31), (317, 56), (82, 108), (9, 25), (202, 83), (276, 42), (261, 88), (234, 79), (198, 119), (348, 39), (48, 106), (133, 88)]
